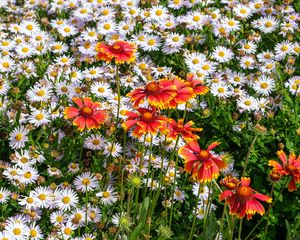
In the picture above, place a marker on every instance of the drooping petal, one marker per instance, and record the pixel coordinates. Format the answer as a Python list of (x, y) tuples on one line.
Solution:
[(225, 194), (213, 145), (71, 112), (262, 197), (281, 154), (245, 181)]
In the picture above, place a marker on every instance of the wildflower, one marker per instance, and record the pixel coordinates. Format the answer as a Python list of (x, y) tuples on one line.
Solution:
[(87, 116), (66, 199), (289, 167), (196, 84), (144, 121), (244, 200), (183, 91), (94, 142), (119, 51), (4, 195), (17, 230), (18, 137), (202, 163), (157, 94), (174, 129), (85, 182), (264, 85), (108, 196)]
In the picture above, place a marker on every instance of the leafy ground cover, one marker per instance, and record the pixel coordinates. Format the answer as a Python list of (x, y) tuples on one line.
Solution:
[(127, 119)]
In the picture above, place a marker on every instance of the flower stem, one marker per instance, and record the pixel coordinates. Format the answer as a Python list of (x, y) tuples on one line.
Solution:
[(86, 210), (248, 155), (268, 213), (195, 215), (240, 229), (222, 221)]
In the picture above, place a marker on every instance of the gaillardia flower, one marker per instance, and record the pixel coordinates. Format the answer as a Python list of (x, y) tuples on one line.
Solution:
[(86, 115), (244, 200), (157, 95), (174, 129), (144, 121), (289, 167), (196, 84), (119, 51), (203, 164)]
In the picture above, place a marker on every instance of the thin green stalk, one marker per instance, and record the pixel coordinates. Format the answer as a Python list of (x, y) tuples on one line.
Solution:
[(86, 209), (222, 221), (195, 215), (268, 213), (207, 210), (248, 155), (240, 229)]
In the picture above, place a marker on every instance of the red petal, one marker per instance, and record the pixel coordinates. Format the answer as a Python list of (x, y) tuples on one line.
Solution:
[(78, 101), (225, 194), (71, 112), (245, 181), (262, 197), (281, 154)]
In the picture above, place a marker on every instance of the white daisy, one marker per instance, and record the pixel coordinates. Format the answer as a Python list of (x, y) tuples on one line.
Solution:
[(66, 199), (85, 182), (109, 196), (18, 137)]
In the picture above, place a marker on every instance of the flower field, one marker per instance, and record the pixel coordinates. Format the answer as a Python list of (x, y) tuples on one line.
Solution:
[(149, 119)]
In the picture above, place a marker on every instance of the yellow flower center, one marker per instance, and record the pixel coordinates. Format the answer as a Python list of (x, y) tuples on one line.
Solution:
[(264, 85), (284, 48), (33, 233), (175, 39), (29, 27), (92, 34), (151, 42), (247, 46), (158, 12), (25, 49), (24, 160), (19, 137), (6, 65), (27, 175), (17, 231), (68, 231), (221, 90), (221, 54), (83, 11), (196, 18), (64, 89), (67, 30), (106, 26), (101, 89), (247, 102), (231, 23), (29, 200), (39, 116), (42, 197), (64, 60), (243, 11), (86, 181), (66, 200), (106, 194), (205, 67), (268, 24)]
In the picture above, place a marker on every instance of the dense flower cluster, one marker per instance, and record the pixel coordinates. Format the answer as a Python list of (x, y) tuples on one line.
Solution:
[(104, 105)]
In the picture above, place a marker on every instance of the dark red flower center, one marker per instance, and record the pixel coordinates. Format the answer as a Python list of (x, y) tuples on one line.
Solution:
[(86, 111), (152, 88), (290, 169), (204, 155), (147, 116), (178, 128), (244, 192), (116, 48)]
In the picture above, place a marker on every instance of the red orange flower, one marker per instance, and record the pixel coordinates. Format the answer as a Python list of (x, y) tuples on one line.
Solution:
[(185, 130), (120, 51), (183, 91), (244, 200), (157, 95), (196, 84), (86, 114), (144, 121), (289, 167), (202, 163)]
